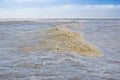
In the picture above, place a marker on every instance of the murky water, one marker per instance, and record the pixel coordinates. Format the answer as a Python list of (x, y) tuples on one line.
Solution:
[(54, 65)]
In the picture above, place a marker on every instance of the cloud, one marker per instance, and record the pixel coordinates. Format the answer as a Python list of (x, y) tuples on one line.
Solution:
[(110, 6), (64, 11)]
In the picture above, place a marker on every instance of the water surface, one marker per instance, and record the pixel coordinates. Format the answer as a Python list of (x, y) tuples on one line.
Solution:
[(51, 65)]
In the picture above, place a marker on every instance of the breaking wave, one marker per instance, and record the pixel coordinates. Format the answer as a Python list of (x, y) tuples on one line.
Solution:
[(61, 39)]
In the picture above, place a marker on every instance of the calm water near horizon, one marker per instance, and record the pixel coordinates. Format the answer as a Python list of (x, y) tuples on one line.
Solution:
[(49, 65)]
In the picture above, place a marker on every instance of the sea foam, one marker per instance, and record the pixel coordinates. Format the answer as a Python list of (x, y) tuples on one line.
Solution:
[(62, 39)]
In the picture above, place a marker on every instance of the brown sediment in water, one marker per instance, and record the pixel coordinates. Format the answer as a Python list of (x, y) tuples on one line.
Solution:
[(61, 39)]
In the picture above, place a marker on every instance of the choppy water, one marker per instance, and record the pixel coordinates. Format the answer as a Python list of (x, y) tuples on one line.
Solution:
[(48, 65)]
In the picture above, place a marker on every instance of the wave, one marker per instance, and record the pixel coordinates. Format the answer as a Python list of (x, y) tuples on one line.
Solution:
[(61, 39), (69, 24)]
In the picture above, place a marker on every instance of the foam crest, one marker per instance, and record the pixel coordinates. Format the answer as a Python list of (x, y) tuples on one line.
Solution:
[(61, 39)]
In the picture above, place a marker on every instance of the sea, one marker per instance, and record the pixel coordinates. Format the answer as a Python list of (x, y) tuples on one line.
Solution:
[(54, 65)]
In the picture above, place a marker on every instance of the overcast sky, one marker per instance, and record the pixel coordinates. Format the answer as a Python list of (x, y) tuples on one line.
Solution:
[(59, 8)]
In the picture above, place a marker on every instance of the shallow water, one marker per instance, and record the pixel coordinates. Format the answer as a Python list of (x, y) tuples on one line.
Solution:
[(54, 65)]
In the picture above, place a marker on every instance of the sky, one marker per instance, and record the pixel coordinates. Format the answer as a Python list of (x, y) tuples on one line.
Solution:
[(59, 8)]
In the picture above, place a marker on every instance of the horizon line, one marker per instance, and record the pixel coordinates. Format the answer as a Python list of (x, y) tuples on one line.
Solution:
[(54, 18)]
